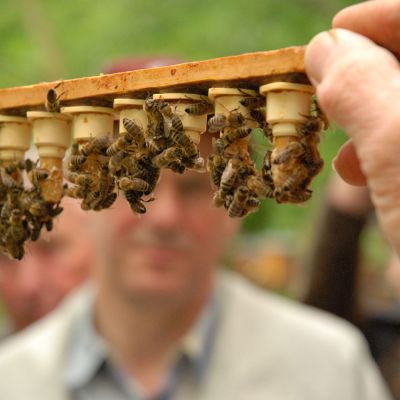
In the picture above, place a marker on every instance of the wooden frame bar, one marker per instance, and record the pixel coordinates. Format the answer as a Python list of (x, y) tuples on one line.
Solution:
[(246, 70)]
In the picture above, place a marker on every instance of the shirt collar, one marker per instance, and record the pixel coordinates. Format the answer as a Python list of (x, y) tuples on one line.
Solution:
[(87, 352)]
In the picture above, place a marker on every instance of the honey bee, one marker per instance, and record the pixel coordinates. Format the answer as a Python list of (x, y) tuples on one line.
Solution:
[(56, 210), (317, 113), (75, 192), (52, 103), (134, 131), (14, 249), (169, 158), (219, 198), (75, 149), (289, 178), (137, 184), (18, 226), (37, 175), (91, 201), (235, 119), (238, 205), (230, 175), (156, 121), (298, 196), (266, 168), (115, 162), (217, 122), (120, 144), (230, 135), (150, 105), (106, 202), (84, 180), (156, 146), (36, 227), (49, 225), (258, 115), (39, 208), (200, 108), (176, 130), (98, 144), (258, 188), (216, 162), (132, 166), (197, 164), (253, 203), (220, 121), (293, 150), (134, 201), (7, 180), (105, 182), (252, 102), (165, 110), (76, 161)]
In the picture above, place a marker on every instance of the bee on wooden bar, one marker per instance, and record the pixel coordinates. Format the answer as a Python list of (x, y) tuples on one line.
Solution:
[(253, 102), (52, 103)]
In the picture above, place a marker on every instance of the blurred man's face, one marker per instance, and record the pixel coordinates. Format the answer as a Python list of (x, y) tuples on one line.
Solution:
[(172, 249), (52, 266)]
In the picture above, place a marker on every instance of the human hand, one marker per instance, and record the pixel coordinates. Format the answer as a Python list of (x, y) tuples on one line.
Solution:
[(348, 199), (358, 86)]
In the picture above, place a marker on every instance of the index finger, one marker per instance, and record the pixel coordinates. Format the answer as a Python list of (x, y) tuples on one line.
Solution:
[(379, 20)]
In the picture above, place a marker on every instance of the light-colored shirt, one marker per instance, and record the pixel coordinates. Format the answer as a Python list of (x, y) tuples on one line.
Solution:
[(90, 372), (263, 347)]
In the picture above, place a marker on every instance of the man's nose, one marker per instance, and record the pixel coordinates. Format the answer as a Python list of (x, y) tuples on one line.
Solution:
[(166, 211)]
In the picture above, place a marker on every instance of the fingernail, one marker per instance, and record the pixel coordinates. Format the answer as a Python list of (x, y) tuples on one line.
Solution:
[(317, 54)]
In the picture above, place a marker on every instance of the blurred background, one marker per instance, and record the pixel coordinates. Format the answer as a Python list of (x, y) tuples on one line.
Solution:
[(45, 40)]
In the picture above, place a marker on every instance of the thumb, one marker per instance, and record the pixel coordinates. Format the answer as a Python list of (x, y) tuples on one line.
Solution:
[(358, 86), (357, 82)]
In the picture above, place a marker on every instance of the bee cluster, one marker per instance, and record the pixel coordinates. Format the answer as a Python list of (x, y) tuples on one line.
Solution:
[(287, 169), (88, 170), (163, 133), (132, 162), (240, 186), (291, 167), (24, 211)]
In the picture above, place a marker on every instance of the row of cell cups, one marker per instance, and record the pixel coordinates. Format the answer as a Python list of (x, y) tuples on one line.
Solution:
[(288, 105)]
